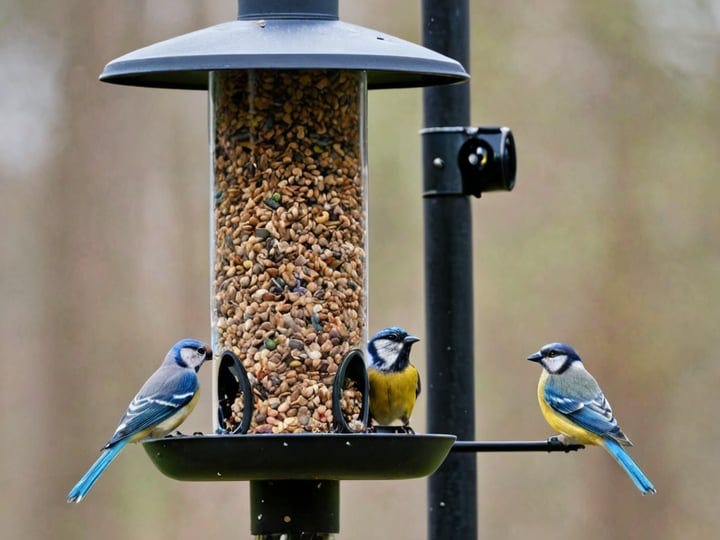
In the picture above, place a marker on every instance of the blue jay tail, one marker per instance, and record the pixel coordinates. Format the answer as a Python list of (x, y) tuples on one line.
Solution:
[(88, 480), (623, 458)]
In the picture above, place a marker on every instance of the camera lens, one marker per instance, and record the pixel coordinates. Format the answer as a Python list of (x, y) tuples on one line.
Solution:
[(487, 161)]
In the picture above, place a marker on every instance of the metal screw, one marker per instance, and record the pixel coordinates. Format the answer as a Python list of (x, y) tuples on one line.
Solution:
[(438, 163)]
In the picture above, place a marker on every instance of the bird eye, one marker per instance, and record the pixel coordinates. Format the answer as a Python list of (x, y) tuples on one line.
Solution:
[(552, 354), (201, 351)]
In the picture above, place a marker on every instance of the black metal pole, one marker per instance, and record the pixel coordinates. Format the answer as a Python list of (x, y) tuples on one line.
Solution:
[(452, 490)]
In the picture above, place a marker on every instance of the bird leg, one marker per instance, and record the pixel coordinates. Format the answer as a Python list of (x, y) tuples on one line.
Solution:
[(563, 439)]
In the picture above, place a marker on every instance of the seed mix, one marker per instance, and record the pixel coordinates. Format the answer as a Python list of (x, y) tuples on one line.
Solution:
[(289, 240)]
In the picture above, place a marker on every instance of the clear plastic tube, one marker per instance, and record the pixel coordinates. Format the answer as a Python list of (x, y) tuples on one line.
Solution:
[(289, 232)]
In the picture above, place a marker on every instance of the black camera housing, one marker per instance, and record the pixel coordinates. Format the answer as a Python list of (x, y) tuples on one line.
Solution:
[(468, 160), (487, 160)]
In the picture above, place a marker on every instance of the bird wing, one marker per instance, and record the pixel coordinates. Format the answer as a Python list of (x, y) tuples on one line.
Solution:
[(418, 387), (578, 397), (165, 392)]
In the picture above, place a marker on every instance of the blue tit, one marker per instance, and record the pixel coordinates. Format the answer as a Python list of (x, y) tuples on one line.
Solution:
[(161, 405), (394, 381), (573, 404)]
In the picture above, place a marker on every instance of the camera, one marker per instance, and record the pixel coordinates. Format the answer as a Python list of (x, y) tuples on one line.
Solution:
[(487, 160)]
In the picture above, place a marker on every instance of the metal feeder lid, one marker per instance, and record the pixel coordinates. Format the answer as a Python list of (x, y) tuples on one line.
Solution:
[(283, 34)]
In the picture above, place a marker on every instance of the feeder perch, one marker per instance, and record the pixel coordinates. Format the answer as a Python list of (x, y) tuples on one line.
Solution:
[(287, 84)]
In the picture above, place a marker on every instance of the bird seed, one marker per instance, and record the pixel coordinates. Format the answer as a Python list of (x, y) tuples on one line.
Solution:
[(289, 239)]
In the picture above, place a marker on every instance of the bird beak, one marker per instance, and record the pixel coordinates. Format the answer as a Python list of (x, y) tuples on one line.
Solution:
[(409, 340), (208, 353), (536, 357)]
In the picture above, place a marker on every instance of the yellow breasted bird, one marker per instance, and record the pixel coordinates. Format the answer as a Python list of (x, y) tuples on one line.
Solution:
[(394, 381), (572, 403)]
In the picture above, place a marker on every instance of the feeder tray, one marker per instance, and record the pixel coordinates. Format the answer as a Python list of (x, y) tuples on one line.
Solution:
[(301, 456)]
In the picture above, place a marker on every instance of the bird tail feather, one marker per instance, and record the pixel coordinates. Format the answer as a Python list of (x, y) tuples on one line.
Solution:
[(626, 462), (78, 492)]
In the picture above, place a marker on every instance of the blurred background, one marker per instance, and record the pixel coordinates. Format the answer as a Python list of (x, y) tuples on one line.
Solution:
[(610, 241)]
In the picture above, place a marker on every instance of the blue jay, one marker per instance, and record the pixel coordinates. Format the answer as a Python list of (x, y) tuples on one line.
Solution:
[(394, 381), (164, 401), (572, 403)]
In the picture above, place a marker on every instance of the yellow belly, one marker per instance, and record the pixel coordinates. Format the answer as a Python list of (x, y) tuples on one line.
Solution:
[(560, 422), (392, 395)]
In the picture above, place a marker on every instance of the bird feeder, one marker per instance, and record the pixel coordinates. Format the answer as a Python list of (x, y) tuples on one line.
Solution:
[(287, 84)]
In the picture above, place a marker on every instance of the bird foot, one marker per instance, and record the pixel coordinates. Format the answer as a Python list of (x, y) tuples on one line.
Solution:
[(394, 429), (563, 439)]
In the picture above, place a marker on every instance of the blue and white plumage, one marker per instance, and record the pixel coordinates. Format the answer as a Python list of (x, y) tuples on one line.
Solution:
[(394, 381), (573, 404), (163, 402)]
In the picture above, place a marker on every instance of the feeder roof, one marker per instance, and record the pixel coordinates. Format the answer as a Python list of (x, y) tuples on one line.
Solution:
[(265, 39)]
